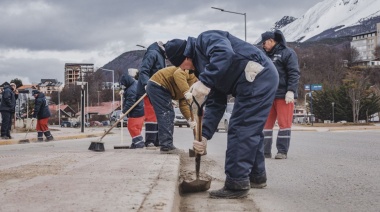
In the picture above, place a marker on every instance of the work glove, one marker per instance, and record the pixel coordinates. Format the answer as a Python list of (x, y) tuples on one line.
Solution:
[(200, 146), (192, 124), (289, 97), (199, 91), (188, 96), (252, 69)]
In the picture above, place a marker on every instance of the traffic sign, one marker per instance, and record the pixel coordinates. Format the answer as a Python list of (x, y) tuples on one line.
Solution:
[(316, 87), (307, 87)]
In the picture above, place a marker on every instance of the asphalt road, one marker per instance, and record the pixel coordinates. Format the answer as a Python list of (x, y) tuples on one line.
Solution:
[(325, 171)]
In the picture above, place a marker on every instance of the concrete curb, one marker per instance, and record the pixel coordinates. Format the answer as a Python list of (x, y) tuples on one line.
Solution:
[(65, 137)]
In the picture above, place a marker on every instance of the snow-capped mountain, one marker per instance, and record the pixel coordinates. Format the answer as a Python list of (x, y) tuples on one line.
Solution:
[(283, 22), (334, 18)]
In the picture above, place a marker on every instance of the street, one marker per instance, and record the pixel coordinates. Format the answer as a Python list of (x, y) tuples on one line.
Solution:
[(325, 171)]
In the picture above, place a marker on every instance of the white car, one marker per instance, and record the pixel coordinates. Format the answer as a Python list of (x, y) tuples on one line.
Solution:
[(225, 121)]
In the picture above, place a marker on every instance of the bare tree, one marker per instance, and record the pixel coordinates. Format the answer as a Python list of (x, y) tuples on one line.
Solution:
[(357, 86)]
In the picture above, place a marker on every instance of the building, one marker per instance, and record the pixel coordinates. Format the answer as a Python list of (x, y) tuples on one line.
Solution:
[(365, 44), (47, 86), (74, 71)]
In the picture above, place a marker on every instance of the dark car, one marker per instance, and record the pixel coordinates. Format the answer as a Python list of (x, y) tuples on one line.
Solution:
[(179, 119), (115, 116), (66, 124)]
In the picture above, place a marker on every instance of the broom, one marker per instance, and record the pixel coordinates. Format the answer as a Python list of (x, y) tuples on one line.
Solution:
[(26, 140), (98, 146)]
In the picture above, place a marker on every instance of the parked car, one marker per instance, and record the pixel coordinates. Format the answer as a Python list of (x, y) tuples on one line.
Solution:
[(179, 119), (66, 124), (115, 116), (225, 121)]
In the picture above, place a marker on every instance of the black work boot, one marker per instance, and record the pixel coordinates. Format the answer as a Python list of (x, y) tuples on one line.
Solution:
[(225, 193), (40, 136), (259, 182), (49, 136)]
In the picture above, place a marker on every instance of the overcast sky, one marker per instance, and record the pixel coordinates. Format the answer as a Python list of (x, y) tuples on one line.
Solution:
[(38, 37)]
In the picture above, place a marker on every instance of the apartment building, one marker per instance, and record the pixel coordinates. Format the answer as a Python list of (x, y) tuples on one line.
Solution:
[(75, 71), (365, 44)]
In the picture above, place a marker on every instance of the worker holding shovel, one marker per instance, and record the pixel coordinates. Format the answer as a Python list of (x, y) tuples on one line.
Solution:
[(169, 84), (136, 115), (227, 65)]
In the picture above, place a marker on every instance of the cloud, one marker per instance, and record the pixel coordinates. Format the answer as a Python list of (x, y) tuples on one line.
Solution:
[(40, 36)]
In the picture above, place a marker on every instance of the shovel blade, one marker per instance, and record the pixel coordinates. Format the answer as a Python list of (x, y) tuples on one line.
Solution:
[(195, 186)]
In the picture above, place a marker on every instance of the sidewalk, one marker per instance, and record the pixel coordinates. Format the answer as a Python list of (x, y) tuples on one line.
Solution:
[(65, 176)]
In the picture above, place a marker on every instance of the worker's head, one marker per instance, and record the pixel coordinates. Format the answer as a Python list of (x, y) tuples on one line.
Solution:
[(268, 41), (175, 52), (35, 93)]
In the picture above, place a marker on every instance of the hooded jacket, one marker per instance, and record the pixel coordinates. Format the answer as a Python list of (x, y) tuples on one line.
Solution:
[(177, 82), (154, 60), (129, 97), (8, 100), (286, 62), (41, 107)]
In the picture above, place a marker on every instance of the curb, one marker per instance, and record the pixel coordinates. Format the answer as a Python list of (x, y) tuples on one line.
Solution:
[(56, 138)]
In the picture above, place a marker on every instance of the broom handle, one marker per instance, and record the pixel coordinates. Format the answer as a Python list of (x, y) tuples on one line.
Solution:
[(121, 117), (121, 121)]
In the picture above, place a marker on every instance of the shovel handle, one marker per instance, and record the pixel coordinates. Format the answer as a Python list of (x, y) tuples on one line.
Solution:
[(121, 117), (199, 134)]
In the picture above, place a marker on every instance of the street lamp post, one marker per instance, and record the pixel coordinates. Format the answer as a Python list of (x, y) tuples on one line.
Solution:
[(333, 103), (245, 19), (113, 86)]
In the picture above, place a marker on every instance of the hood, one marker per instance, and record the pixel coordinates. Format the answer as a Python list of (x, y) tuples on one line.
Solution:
[(127, 80), (155, 47), (279, 37)]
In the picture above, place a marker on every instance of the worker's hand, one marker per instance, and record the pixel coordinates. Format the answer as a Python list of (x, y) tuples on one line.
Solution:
[(199, 91), (188, 96), (200, 146), (289, 97), (252, 70), (192, 124), (121, 92)]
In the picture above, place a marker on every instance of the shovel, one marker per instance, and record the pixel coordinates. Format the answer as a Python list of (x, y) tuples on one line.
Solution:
[(121, 146), (98, 146), (197, 185)]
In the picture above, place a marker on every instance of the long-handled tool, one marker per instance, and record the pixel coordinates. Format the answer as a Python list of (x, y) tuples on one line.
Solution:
[(121, 146), (197, 185), (25, 140), (98, 146)]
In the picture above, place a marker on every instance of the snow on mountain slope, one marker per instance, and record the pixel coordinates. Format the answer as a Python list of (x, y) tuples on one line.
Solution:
[(329, 14)]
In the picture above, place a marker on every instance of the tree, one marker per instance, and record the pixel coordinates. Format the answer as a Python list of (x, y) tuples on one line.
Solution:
[(18, 82), (357, 85)]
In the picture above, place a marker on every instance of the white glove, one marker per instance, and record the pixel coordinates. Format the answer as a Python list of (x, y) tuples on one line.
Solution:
[(199, 91), (188, 96), (192, 124), (252, 70), (200, 146), (289, 97)]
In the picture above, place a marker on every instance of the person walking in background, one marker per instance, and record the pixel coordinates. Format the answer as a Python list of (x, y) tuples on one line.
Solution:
[(7, 108), (286, 62), (169, 84), (227, 65), (154, 60), (136, 115), (15, 91), (41, 113)]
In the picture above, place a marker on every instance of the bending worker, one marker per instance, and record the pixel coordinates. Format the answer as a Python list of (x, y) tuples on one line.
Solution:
[(227, 65)]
